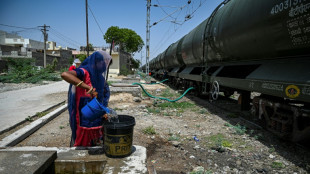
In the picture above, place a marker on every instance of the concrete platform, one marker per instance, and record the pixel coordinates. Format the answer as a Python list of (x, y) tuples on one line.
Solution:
[(27, 161), (126, 88), (71, 160)]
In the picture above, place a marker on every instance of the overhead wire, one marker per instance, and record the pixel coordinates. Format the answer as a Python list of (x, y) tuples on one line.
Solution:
[(95, 19), (179, 24)]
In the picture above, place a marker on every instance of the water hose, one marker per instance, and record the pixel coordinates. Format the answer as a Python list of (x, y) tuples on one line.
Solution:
[(162, 98), (155, 83)]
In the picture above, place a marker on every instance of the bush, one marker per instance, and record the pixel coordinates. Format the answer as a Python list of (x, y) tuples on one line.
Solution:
[(23, 71)]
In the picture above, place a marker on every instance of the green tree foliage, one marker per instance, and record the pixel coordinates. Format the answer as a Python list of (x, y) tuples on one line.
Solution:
[(90, 47), (135, 63), (82, 57), (127, 39)]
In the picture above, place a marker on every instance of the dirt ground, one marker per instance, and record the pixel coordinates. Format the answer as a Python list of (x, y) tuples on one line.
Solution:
[(192, 136)]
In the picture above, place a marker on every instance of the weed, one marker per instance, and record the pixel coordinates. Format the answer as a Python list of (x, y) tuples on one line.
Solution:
[(239, 129), (277, 165), (23, 71), (167, 114), (203, 111), (41, 114), (197, 125), (29, 118), (176, 105), (61, 127), (110, 83), (118, 109), (271, 150), (153, 110), (174, 138), (226, 143), (218, 141), (166, 93), (178, 114), (149, 130)]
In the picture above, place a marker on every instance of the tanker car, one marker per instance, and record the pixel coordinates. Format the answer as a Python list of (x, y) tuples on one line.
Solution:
[(249, 46)]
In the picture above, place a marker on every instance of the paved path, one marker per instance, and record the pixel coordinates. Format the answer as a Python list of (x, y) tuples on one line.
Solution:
[(17, 105)]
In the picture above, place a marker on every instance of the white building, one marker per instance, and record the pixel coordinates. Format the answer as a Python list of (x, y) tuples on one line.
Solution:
[(17, 41)]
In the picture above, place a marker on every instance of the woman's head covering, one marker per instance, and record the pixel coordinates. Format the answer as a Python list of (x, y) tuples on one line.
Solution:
[(97, 65)]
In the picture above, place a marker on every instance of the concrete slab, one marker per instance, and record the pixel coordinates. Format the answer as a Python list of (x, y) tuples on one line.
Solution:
[(22, 133), (91, 160), (135, 91), (36, 162), (17, 105)]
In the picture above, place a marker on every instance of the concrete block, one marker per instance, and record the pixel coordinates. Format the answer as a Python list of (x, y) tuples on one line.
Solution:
[(27, 161)]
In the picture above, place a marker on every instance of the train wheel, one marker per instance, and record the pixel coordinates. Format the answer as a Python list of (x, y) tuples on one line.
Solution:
[(215, 90)]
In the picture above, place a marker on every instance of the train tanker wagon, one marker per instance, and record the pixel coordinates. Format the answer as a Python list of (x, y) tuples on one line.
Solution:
[(249, 46)]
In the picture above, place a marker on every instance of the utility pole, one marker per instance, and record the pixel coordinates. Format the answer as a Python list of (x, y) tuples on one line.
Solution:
[(148, 9), (87, 49), (141, 60), (44, 30)]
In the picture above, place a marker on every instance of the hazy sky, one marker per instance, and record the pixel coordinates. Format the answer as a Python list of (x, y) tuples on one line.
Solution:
[(68, 22)]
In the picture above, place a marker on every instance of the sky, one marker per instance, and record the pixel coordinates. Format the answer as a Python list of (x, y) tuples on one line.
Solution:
[(67, 20)]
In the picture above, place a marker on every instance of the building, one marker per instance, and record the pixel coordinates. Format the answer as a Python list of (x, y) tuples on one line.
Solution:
[(120, 59), (11, 39)]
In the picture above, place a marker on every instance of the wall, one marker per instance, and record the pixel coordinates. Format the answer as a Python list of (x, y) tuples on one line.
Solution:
[(124, 60), (114, 68)]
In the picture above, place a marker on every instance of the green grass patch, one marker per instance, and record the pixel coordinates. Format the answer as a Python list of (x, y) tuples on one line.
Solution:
[(218, 140), (176, 105), (203, 111), (277, 165), (168, 114), (29, 118), (153, 110), (150, 130), (41, 114), (239, 129), (174, 138)]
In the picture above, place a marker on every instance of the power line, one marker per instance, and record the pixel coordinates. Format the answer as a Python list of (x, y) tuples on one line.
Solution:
[(95, 19), (19, 27), (65, 36), (187, 17)]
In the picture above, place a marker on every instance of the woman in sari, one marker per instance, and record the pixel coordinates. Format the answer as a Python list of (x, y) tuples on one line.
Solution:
[(86, 82)]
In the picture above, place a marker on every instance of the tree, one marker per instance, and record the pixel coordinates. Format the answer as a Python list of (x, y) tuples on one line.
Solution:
[(135, 63), (127, 39), (90, 47)]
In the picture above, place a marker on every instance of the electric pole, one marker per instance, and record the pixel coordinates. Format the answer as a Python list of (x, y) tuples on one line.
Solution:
[(141, 60), (87, 28), (44, 30), (148, 35)]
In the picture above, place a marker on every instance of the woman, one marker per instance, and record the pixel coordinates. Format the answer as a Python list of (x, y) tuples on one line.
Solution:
[(86, 82)]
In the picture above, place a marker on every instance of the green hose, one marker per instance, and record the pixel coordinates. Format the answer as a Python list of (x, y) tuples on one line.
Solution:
[(155, 83), (162, 98)]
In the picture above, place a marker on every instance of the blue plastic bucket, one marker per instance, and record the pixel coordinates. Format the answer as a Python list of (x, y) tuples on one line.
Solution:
[(93, 110)]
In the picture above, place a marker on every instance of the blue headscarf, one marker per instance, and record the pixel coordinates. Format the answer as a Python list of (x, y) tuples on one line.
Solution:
[(97, 64)]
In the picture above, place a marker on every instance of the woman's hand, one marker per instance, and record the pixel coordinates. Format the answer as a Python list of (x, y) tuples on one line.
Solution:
[(94, 93)]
